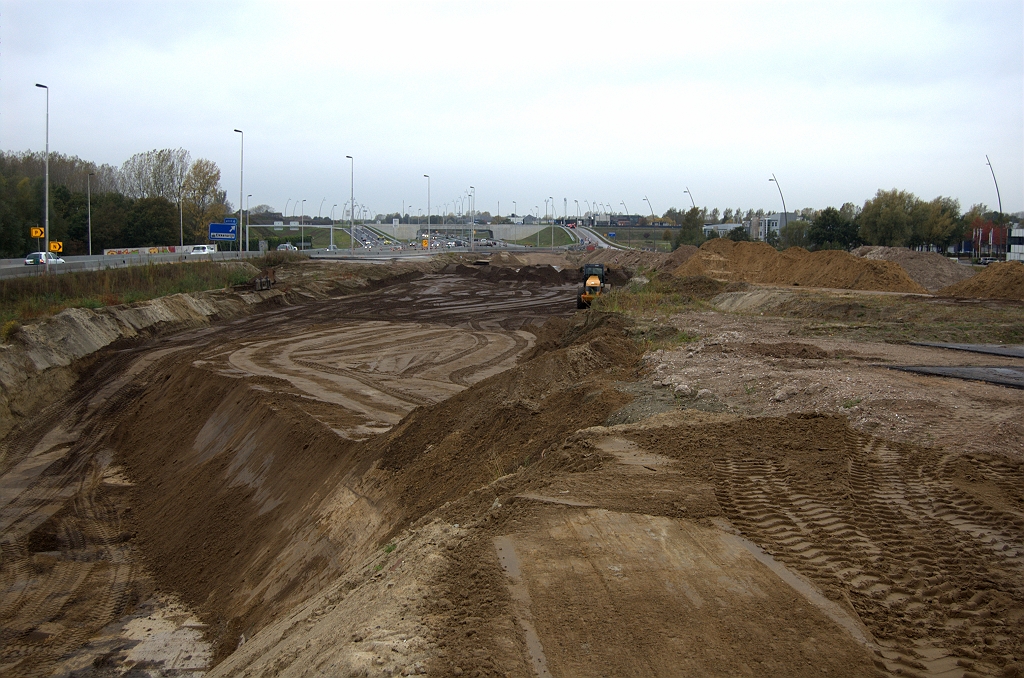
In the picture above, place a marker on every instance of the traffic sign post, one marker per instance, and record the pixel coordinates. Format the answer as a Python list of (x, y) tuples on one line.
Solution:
[(37, 232), (56, 246), (225, 231)]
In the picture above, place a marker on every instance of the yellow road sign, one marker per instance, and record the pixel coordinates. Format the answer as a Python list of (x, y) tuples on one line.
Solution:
[(37, 232), (426, 243), (56, 246)]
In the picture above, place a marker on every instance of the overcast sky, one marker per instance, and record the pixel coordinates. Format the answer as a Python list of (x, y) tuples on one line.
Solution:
[(599, 102)]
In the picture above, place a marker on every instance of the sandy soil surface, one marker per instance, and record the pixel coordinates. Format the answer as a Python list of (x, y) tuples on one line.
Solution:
[(454, 474)]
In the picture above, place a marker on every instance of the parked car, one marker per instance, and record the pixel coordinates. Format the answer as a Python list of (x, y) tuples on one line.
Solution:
[(37, 258), (203, 249)]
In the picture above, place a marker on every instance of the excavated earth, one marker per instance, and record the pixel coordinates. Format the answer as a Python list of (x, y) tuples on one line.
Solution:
[(451, 472)]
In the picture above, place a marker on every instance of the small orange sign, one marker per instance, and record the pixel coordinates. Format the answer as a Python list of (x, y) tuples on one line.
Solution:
[(56, 246), (426, 244), (37, 232)]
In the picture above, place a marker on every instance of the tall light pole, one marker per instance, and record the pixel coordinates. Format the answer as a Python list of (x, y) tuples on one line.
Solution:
[(332, 225), (687, 192), (651, 206), (88, 206), (46, 184), (785, 217), (428, 203), (472, 214), (285, 213), (552, 224), (998, 198), (302, 225), (352, 204), (247, 221), (320, 211), (241, 190), (629, 234)]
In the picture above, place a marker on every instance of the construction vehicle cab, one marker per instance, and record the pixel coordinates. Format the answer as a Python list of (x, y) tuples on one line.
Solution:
[(593, 286)]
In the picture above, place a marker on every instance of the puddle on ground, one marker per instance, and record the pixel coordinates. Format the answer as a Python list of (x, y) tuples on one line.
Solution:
[(521, 601)]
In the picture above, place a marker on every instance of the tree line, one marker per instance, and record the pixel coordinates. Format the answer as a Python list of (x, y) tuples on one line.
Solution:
[(158, 197), (892, 218)]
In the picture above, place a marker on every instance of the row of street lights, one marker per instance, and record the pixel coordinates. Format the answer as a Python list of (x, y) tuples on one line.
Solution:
[(470, 195)]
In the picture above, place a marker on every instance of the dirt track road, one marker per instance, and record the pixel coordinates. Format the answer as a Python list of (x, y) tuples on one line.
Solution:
[(378, 484)]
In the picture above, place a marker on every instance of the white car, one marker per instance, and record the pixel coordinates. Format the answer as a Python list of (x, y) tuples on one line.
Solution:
[(37, 258), (203, 249)]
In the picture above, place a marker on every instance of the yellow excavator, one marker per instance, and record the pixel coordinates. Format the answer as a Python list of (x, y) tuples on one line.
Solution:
[(593, 286)]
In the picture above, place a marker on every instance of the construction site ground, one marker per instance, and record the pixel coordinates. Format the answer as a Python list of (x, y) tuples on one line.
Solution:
[(445, 469)]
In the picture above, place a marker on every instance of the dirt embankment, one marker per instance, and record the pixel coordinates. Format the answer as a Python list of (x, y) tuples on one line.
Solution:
[(1001, 280), (247, 505), (44, 359), (760, 263), (931, 270)]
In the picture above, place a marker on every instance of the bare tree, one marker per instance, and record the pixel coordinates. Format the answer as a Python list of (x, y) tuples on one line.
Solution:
[(203, 199)]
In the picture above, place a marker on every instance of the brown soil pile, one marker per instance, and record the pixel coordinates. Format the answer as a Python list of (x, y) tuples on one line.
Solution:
[(237, 465), (931, 270), (1001, 280), (760, 263), (678, 257), (623, 258)]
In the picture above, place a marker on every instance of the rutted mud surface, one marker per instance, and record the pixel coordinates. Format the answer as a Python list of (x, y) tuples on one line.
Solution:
[(423, 480)]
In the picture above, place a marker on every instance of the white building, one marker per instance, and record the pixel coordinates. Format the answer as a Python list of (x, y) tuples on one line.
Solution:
[(1015, 247), (773, 222)]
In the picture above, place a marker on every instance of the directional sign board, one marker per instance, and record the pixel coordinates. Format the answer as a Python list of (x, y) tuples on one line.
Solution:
[(37, 232), (56, 246), (223, 231), (232, 221)]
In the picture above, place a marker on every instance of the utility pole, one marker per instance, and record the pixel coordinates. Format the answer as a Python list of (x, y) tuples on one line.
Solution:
[(46, 185), (352, 205)]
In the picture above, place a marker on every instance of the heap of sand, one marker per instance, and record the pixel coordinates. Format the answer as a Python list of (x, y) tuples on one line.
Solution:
[(1001, 280), (931, 270), (757, 262)]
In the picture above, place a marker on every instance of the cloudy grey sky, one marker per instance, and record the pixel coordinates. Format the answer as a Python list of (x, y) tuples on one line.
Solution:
[(600, 102)]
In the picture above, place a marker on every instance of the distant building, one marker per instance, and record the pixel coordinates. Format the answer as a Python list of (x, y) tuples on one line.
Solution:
[(773, 222), (1015, 247)]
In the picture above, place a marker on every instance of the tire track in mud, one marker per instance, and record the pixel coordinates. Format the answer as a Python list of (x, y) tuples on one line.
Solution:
[(924, 564)]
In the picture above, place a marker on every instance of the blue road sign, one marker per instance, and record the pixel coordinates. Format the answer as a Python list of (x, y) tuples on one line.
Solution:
[(223, 231), (233, 221), (611, 234)]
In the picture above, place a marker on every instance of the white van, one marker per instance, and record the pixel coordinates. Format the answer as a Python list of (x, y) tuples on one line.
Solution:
[(203, 249)]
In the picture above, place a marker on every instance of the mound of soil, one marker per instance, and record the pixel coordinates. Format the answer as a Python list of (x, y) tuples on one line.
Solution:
[(1001, 280), (931, 270), (760, 263), (678, 257), (548, 275)]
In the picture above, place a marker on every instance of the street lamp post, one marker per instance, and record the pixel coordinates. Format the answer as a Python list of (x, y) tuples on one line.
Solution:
[(472, 215), (998, 197), (247, 221), (629, 234), (88, 206), (241, 190), (428, 203), (687, 192), (552, 224), (285, 213), (352, 204), (651, 206), (302, 225), (785, 217), (332, 225), (46, 184)]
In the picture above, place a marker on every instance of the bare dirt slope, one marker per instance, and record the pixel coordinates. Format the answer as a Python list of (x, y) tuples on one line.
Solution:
[(1001, 280), (931, 270), (758, 262), (450, 474)]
